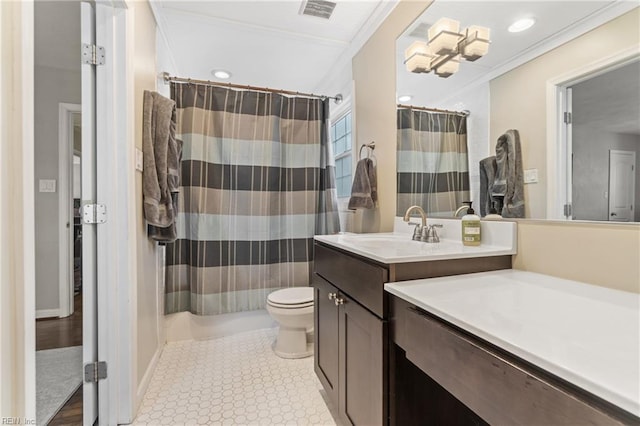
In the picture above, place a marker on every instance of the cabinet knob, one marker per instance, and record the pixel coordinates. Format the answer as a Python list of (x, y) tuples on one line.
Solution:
[(332, 296), (339, 301)]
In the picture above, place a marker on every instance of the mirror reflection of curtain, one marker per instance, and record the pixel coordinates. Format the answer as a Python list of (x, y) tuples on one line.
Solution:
[(258, 182), (433, 164)]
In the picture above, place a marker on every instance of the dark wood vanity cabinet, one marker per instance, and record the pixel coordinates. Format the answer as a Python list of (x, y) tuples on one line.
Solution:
[(351, 327), (440, 374), (350, 340)]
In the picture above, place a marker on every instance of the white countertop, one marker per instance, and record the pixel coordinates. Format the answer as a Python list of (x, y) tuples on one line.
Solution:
[(498, 239), (585, 334), (399, 248)]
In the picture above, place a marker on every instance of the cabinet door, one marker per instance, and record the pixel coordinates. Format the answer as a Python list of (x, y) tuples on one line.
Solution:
[(326, 337), (363, 347)]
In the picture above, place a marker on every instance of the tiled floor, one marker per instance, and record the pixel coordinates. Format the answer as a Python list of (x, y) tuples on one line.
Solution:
[(234, 380)]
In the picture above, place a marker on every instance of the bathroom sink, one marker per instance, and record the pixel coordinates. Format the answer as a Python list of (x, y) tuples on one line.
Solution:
[(398, 247), (392, 248)]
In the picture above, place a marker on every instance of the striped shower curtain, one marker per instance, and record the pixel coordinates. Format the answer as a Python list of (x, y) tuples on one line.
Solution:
[(433, 165), (258, 182)]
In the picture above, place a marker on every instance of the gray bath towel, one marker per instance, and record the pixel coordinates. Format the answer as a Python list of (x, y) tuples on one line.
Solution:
[(487, 176), (161, 175), (509, 181), (169, 234), (364, 191)]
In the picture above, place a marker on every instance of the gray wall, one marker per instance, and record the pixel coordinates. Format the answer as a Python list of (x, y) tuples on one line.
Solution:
[(591, 170), (57, 79)]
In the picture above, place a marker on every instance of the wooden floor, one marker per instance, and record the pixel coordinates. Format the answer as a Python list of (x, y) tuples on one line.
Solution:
[(61, 333)]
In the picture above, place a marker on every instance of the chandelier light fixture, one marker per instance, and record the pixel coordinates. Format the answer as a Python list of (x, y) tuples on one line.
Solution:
[(446, 46)]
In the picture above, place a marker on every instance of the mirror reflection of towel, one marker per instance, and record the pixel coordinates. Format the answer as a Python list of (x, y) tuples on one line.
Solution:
[(364, 191), (509, 181), (487, 177)]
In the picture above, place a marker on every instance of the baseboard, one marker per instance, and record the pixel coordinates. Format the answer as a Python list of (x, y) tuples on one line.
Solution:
[(146, 379), (186, 326), (47, 313)]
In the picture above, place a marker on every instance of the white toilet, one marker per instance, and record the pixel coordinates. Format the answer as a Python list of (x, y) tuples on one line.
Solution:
[(292, 308)]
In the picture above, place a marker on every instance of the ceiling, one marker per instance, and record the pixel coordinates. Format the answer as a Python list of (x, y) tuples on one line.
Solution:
[(265, 43), (610, 102), (554, 19)]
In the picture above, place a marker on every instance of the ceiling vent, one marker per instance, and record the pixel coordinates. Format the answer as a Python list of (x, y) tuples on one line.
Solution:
[(318, 8)]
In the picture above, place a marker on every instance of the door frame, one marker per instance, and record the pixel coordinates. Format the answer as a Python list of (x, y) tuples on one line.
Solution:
[(17, 225), (65, 211), (17, 229), (558, 155), (117, 245)]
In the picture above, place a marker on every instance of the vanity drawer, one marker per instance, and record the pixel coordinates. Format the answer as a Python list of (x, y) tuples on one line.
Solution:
[(361, 280), (498, 388)]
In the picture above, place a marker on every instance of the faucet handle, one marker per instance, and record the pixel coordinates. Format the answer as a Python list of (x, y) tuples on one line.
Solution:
[(430, 234), (417, 231)]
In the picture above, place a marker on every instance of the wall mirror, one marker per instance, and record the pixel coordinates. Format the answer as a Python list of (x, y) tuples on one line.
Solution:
[(508, 88)]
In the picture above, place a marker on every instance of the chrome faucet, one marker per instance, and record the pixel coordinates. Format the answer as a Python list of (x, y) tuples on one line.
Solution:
[(420, 228), (423, 215)]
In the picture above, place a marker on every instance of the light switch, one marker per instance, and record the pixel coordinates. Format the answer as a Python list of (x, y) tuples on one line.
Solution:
[(139, 160), (531, 176), (47, 185)]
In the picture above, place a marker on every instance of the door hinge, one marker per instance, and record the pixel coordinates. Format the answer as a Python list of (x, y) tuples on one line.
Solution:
[(567, 117), (567, 210), (92, 54), (95, 371), (94, 213)]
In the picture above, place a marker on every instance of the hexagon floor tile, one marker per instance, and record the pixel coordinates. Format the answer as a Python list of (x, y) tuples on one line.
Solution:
[(233, 380)]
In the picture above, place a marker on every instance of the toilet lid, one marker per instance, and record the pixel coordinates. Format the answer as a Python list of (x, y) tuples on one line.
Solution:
[(292, 296)]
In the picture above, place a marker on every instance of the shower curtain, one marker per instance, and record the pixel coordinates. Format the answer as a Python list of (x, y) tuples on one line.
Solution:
[(433, 164), (258, 182)]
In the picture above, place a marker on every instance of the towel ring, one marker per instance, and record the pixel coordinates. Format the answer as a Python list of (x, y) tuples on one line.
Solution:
[(370, 147)]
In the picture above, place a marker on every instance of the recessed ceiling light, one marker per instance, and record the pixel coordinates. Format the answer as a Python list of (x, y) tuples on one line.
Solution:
[(521, 25), (404, 98), (221, 74)]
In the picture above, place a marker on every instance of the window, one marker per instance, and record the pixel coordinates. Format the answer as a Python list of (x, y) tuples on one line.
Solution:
[(341, 139)]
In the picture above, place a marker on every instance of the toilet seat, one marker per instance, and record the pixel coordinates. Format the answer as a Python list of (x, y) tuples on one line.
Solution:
[(291, 298)]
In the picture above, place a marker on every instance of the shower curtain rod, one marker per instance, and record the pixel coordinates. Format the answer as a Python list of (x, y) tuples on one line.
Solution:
[(168, 79), (464, 113)]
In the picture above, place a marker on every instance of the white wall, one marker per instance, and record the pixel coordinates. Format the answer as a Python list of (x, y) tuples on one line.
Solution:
[(591, 170), (150, 327), (57, 79), (52, 86)]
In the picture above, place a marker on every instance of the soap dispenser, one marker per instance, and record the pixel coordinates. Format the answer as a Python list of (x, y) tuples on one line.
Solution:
[(493, 214), (471, 228)]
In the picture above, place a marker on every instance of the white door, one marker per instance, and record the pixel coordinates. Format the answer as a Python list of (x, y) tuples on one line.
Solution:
[(622, 179), (89, 271)]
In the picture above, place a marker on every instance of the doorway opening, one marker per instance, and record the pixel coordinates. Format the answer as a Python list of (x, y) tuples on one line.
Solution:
[(604, 142), (58, 125), (593, 112)]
